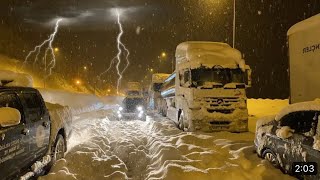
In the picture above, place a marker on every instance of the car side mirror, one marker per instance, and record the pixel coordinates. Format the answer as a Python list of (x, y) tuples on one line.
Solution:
[(9, 117)]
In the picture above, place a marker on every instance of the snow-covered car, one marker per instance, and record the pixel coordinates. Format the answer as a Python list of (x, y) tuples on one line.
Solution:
[(132, 108), (290, 137), (29, 140)]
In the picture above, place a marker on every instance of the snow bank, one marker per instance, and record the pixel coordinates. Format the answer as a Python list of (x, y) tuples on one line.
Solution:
[(9, 117), (78, 102), (18, 79)]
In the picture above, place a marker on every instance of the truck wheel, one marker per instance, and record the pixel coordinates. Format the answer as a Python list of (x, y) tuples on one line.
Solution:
[(59, 148), (271, 157), (180, 121)]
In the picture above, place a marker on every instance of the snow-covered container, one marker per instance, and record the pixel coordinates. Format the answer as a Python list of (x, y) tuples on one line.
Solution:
[(207, 89), (304, 63)]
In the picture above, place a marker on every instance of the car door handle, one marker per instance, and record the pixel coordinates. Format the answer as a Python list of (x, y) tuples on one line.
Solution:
[(45, 124), (25, 131)]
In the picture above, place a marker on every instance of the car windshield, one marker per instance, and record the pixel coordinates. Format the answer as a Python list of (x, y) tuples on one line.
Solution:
[(130, 104), (217, 76)]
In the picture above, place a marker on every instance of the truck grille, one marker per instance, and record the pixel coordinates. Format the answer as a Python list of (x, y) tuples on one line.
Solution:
[(220, 122), (224, 111), (221, 101)]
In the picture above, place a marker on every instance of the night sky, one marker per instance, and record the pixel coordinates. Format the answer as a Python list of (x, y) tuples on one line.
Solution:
[(87, 37)]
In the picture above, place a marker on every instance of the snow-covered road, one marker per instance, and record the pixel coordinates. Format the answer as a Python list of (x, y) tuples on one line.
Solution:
[(103, 148)]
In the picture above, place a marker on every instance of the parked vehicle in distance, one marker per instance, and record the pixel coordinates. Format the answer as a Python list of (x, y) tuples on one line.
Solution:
[(27, 134), (132, 108), (293, 135), (207, 91), (304, 55), (154, 95), (134, 89)]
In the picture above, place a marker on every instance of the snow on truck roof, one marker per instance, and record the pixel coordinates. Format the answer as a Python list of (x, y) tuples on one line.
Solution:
[(159, 77), (206, 52), (305, 24), (303, 106)]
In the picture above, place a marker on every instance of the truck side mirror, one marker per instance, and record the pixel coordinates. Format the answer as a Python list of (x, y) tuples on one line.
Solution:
[(9, 117), (248, 74)]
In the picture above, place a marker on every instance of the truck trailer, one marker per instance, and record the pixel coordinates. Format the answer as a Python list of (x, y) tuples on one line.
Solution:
[(304, 60), (154, 89), (207, 91)]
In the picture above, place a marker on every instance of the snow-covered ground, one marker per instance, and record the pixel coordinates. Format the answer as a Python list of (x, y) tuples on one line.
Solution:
[(104, 148)]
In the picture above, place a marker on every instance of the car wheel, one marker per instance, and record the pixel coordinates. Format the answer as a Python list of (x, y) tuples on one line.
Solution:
[(59, 149), (271, 157)]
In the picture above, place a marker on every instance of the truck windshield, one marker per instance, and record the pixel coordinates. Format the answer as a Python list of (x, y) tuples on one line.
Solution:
[(133, 93), (218, 76)]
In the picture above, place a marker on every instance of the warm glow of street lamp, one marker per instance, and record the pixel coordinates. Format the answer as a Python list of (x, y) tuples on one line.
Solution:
[(85, 67), (56, 49), (78, 82), (151, 70), (163, 54), (109, 90)]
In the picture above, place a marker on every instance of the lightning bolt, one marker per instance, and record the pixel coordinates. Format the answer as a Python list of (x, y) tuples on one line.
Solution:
[(49, 51), (121, 47)]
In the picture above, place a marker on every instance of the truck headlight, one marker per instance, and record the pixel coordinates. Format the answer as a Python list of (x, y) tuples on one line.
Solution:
[(120, 108), (139, 108), (119, 115)]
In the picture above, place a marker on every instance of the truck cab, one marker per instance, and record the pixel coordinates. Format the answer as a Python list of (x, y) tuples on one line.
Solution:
[(207, 91)]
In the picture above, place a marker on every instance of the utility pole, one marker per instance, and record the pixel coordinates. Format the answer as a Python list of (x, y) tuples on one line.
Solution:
[(234, 23)]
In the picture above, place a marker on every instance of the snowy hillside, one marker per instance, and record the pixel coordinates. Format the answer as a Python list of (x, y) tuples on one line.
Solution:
[(56, 81)]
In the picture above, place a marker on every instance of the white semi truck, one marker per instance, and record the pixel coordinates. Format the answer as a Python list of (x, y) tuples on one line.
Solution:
[(207, 91), (304, 60)]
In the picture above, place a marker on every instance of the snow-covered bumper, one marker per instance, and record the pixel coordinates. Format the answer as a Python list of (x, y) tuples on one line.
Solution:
[(227, 120)]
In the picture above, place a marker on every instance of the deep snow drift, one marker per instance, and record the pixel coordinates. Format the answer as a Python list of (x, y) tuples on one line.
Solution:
[(103, 148)]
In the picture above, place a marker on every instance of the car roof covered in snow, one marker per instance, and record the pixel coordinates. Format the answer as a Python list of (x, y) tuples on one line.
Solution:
[(305, 24), (16, 88), (303, 106)]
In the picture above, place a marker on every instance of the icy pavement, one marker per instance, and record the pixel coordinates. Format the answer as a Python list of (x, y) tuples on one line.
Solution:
[(103, 148)]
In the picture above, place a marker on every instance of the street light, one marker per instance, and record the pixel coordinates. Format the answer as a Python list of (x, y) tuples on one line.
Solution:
[(85, 67), (78, 82), (56, 49), (163, 54)]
